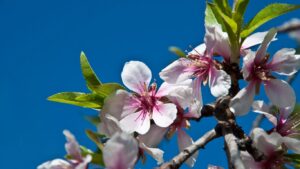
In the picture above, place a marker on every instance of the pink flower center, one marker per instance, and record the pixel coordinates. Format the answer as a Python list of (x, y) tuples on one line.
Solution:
[(199, 65), (288, 127), (275, 160), (147, 99)]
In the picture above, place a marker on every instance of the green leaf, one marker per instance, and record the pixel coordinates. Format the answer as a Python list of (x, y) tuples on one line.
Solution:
[(210, 18), (224, 6), (95, 120), (108, 88), (231, 29), (72, 98), (88, 73), (95, 137), (97, 157), (239, 11), (268, 13), (177, 51)]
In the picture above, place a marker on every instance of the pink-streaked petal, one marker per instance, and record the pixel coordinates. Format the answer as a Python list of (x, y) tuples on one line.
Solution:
[(136, 76), (248, 63), (72, 147), (292, 143), (217, 41), (285, 62), (262, 51), (155, 153), (136, 122), (280, 93), (131, 104), (176, 71), (168, 88), (164, 114), (154, 136), (120, 152), (184, 141), (219, 82), (260, 107), (255, 39), (242, 102), (199, 50), (56, 164)]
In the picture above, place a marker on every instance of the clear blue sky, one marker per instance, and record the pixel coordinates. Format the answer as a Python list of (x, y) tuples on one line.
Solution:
[(40, 43)]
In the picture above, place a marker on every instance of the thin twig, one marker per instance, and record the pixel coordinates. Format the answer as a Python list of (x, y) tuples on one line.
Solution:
[(178, 160)]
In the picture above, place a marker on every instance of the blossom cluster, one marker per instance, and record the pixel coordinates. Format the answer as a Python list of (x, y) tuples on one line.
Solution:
[(134, 119)]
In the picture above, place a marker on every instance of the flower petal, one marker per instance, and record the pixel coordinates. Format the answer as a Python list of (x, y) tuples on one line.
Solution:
[(262, 51), (120, 152), (154, 136), (292, 143), (175, 72), (72, 146), (255, 39), (264, 142), (260, 107), (184, 141), (248, 63), (56, 164), (285, 62), (199, 50), (156, 153), (164, 114), (138, 122), (217, 41), (242, 102), (136, 76), (280, 93), (219, 82)]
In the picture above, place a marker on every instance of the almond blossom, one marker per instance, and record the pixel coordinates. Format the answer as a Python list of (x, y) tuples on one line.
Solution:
[(120, 152), (110, 117), (77, 161), (145, 103), (270, 146), (257, 70), (284, 123), (200, 66)]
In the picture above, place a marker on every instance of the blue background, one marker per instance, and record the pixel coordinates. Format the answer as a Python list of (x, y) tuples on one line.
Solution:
[(40, 43)]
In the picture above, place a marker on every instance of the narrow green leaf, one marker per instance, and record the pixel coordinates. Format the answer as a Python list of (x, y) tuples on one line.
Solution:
[(95, 137), (268, 13), (95, 120), (177, 51), (108, 88), (72, 98), (97, 157), (224, 6), (239, 11), (210, 18), (88, 73)]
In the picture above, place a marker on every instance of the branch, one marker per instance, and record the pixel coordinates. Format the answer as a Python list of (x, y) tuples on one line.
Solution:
[(233, 151), (178, 160)]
